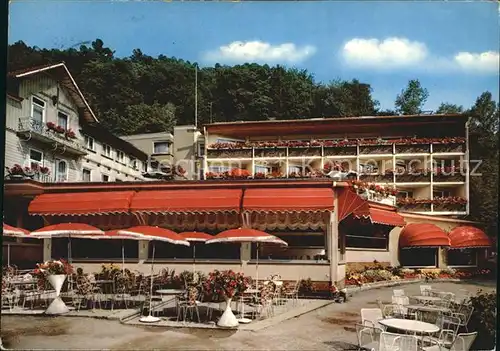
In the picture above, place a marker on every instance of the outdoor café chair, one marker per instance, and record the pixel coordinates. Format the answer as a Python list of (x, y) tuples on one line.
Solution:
[(397, 342), (190, 304), (292, 292), (449, 328), (371, 316), (368, 337), (464, 314), (425, 290), (462, 342)]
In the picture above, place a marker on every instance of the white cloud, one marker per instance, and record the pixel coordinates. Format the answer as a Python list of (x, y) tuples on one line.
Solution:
[(391, 52), (486, 61), (399, 53), (258, 51)]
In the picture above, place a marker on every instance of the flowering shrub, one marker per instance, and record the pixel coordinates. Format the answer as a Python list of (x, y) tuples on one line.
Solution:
[(483, 320), (226, 283), (51, 126), (53, 267), (259, 175), (454, 200)]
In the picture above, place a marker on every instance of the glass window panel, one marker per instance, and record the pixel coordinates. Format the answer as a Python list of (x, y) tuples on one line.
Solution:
[(463, 257), (418, 257), (62, 120), (161, 147)]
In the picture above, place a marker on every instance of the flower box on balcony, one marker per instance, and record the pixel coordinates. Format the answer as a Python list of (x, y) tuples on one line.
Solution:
[(375, 149), (413, 149), (449, 207), (270, 152), (229, 153), (413, 178), (454, 177), (340, 151), (304, 151), (377, 178), (448, 148), (415, 207)]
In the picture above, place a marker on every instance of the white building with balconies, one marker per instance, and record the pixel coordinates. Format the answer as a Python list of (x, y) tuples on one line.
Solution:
[(52, 134)]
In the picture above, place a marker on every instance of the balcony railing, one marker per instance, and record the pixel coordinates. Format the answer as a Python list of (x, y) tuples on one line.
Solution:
[(41, 132)]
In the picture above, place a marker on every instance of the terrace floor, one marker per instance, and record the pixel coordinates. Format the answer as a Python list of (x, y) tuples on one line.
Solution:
[(328, 328)]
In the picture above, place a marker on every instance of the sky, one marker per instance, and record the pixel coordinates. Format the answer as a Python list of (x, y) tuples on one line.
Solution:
[(451, 47)]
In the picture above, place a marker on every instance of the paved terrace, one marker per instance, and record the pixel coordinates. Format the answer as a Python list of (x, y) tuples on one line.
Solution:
[(327, 328)]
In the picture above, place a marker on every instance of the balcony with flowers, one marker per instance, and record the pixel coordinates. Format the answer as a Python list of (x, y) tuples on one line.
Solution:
[(448, 174), (61, 138), (35, 172), (372, 192), (437, 204)]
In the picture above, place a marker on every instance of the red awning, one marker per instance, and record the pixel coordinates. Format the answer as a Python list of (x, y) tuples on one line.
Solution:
[(88, 203), (187, 201), (468, 237), (380, 216), (349, 202), (288, 200), (423, 235)]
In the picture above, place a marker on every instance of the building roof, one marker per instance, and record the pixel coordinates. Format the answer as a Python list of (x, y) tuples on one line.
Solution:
[(95, 130), (141, 136), (313, 126), (62, 74)]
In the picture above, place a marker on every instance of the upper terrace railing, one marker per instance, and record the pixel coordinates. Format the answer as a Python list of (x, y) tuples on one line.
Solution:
[(65, 139), (346, 147)]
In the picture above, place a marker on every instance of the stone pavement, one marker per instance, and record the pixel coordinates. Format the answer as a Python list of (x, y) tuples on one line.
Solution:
[(327, 328)]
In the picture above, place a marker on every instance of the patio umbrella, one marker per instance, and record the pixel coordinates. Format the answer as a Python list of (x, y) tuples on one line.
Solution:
[(145, 232), (14, 232), (247, 235), (194, 238), (67, 230)]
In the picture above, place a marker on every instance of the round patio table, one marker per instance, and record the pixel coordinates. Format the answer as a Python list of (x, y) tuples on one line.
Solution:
[(410, 325)]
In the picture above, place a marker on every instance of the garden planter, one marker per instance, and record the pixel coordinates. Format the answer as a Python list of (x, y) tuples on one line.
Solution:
[(271, 152), (447, 148), (413, 149), (334, 151), (57, 306), (298, 152), (449, 207), (376, 178), (376, 149), (228, 319)]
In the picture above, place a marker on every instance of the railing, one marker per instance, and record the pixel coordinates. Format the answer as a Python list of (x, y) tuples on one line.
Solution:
[(374, 196), (29, 124)]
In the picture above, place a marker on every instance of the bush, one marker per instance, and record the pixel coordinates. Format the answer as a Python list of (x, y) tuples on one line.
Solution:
[(483, 320)]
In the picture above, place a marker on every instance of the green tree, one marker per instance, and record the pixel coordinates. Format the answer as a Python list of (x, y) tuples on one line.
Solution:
[(485, 115), (412, 99), (448, 108)]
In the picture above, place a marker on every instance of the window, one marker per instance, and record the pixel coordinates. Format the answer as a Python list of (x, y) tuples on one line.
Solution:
[(95, 249), (36, 158), (405, 194), (219, 252), (262, 169), (294, 169), (144, 166), (133, 163), (61, 171), (37, 109), (201, 149), (219, 169), (441, 193), (106, 150), (364, 235), (86, 175), (105, 178), (418, 257), (89, 142), (161, 147), (301, 246), (120, 156), (62, 120), (462, 257)]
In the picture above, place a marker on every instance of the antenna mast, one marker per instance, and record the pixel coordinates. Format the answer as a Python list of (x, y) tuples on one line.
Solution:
[(196, 97)]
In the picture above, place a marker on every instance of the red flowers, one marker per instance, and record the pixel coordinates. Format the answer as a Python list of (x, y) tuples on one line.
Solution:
[(454, 200), (363, 186), (336, 143), (226, 283), (70, 134)]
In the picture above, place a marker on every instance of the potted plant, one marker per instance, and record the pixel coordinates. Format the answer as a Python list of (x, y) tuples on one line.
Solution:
[(44, 170), (55, 271), (51, 126), (16, 172), (70, 134), (227, 284), (60, 130)]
